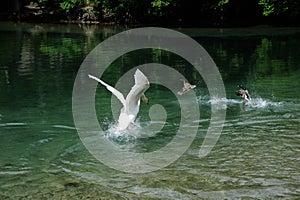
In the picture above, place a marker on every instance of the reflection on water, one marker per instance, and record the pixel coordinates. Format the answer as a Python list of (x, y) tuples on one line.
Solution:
[(41, 155)]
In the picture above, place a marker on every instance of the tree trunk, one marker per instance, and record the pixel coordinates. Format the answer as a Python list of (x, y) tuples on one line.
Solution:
[(17, 9)]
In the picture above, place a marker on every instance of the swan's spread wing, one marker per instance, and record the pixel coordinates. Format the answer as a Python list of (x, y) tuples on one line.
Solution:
[(133, 97), (140, 78), (118, 94)]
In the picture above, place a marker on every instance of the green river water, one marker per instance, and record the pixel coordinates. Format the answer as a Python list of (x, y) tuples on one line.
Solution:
[(256, 157)]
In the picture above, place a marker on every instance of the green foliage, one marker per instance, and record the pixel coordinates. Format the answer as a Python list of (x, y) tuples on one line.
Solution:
[(43, 1), (69, 4), (221, 3), (186, 11), (219, 8), (273, 7), (159, 6)]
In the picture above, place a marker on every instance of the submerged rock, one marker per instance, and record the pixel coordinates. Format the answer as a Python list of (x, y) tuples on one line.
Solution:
[(71, 183)]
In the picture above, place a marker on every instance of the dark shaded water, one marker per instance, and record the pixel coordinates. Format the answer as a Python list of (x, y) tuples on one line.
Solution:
[(257, 155)]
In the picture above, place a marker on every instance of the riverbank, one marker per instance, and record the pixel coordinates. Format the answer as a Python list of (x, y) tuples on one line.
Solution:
[(173, 14)]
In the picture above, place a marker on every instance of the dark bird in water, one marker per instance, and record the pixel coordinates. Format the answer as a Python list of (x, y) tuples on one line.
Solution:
[(243, 93), (186, 87)]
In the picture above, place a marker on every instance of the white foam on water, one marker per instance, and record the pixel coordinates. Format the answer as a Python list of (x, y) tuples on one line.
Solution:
[(223, 100), (262, 103), (253, 103), (113, 132), (15, 124), (131, 134), (64, 127), (14, 172), (206, 99)]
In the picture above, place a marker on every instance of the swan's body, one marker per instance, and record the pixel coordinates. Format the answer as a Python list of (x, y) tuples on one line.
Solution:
[(131, 105)]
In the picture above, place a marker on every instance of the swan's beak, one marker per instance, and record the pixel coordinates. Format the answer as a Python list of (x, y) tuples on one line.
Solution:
[(145, 99)]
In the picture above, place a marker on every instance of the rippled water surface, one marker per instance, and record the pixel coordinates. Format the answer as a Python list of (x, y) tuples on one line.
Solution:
[(256, 156)]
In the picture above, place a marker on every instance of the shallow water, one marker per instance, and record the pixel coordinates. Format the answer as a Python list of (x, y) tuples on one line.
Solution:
[(256, 156)]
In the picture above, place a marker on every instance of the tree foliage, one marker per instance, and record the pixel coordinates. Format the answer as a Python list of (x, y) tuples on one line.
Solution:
[(273, 7), (280, 7), (177, 12)]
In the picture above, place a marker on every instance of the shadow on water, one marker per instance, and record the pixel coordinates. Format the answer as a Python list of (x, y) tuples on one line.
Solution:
[(41, 155)]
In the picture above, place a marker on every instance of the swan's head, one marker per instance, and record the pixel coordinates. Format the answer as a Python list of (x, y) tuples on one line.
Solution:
[(145, 99)]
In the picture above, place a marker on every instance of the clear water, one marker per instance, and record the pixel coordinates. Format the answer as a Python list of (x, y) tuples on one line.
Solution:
[(42, 157)]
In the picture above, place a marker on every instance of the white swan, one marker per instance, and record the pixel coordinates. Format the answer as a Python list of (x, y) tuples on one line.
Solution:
[(131, 105)]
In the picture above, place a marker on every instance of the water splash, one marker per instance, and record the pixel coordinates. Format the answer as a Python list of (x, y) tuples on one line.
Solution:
[(253, 103), (131, 134), (262, 103), (218, 103), (114, 133), (215, 100), (206, 99)]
